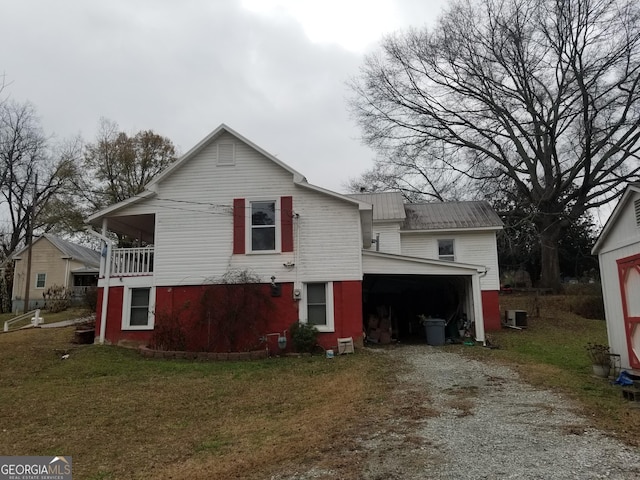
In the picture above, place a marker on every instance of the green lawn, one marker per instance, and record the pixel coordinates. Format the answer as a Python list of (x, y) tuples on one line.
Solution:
[(122, 416)]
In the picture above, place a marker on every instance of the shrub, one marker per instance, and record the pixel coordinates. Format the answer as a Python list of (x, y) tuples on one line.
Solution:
[(303, 336), (235, 311), (56, 298), (90, 298), (168, 332), (588, 306)]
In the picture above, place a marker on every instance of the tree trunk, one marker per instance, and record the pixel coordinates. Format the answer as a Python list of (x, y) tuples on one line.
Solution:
[(549, 258)]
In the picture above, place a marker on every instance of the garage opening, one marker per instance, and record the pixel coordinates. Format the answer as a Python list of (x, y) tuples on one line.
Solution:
[(395, 306)]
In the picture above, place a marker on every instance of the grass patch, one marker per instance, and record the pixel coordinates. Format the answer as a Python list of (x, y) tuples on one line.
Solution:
[(551, 353), (122, 416)]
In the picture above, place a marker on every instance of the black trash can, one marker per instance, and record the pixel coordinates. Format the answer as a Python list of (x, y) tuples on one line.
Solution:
[(434, 328)]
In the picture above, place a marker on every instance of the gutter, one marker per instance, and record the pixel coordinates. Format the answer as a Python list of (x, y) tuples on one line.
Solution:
[(105, 289)]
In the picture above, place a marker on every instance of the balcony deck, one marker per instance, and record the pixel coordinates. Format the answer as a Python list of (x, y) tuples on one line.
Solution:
[(129, 262)]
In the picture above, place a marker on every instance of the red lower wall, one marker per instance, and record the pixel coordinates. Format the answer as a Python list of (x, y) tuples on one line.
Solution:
[(184, 302), (491, 310)]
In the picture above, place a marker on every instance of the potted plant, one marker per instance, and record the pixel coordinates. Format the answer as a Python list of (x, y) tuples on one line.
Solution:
[(600, 359)]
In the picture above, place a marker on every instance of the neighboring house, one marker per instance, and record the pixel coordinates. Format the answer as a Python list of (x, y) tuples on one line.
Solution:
[(228, 204), (54, 261), (618, 250)]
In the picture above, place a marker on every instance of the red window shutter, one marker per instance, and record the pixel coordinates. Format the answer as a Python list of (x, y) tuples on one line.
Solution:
[(238, 225), (286, 223)]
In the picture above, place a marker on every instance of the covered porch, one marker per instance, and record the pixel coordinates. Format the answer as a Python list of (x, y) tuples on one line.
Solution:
[(131, 250)]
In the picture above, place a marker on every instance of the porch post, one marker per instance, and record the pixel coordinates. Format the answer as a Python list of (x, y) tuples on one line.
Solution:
[(477, 307), (105, 264)]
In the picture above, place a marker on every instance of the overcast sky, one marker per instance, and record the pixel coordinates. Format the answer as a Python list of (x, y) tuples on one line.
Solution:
[(273, 70)]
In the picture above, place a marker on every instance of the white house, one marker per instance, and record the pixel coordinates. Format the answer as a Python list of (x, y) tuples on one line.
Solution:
[(228, 204), (618, 250)]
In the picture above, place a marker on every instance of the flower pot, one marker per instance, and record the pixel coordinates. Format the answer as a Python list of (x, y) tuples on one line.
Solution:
[(601, 370)]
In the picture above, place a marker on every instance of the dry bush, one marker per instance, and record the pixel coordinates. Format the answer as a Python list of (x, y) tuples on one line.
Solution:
[(56, 298), (588, 306)]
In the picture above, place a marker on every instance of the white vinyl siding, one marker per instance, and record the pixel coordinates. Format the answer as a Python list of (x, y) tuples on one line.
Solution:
[(625, 230), (389, 236), (474, 248), (194, 243)]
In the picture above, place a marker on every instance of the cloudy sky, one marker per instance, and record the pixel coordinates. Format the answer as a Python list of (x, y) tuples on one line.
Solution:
[(273, 70)]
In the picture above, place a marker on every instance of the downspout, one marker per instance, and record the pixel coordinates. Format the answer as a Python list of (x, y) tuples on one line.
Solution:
[(477, 307), (107, 275), (67, 270)]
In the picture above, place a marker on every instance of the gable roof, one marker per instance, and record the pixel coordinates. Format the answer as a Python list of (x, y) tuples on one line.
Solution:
[(88, 257), (150, 188), (298, 177), (632, 188), (451, 216), (386, 205)]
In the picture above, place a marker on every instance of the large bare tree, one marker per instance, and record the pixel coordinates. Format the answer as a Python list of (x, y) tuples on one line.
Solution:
[(544, 94), (34, 176)]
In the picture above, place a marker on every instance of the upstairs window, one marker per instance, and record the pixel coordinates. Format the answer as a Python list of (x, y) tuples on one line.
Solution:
[(263, 226), (446, 250)]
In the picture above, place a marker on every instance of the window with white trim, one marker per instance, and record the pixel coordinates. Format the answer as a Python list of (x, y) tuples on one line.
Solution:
[(446, 249), (264, 228), (317, 305), (138, 308), (41, 280)]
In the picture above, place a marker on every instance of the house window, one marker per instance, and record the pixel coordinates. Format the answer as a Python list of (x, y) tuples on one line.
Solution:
[(446, 250), (41, 279), (263, 226), (317, 306), (138, 309)]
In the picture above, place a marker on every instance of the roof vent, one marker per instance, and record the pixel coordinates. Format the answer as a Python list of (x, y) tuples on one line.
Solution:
[(226, 154), (636, 205)]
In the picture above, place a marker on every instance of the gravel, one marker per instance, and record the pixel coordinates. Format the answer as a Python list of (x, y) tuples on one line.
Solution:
[(456, 418), (505, 428)]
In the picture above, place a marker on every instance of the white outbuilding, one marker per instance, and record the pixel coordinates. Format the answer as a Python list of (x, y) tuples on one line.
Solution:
[(618, 250)]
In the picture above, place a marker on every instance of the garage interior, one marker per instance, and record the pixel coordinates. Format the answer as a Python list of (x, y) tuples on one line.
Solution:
[(393, 306)]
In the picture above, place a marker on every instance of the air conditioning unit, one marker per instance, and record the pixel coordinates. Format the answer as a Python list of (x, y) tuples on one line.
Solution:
[(515, 318)]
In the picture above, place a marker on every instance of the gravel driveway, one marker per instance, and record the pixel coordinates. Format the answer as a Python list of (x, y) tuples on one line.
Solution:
[(456, 418)]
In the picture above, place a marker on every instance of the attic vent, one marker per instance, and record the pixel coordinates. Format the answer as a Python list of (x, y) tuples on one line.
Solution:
[(636, 205), (226, 153)]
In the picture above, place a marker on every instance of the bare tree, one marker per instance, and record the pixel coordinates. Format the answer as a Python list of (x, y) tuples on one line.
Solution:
[(542, 93), (420, 173), (33, 177)]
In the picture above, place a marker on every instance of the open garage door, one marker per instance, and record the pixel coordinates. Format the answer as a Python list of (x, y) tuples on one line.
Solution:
[(398, 291), (400, 301)]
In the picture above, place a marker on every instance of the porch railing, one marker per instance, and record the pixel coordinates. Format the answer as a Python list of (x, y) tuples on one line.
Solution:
[(132, 261)]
